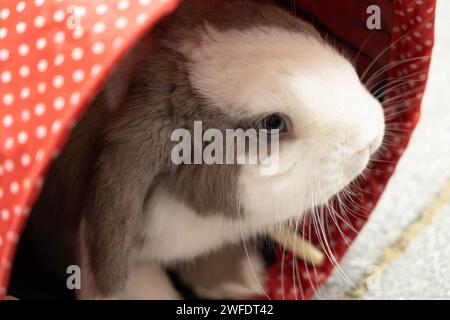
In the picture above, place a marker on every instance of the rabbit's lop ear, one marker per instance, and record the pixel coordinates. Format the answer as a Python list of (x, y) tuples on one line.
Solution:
[(133, 153)]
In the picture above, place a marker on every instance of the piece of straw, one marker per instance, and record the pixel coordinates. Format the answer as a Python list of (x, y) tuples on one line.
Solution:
[(302, 248)]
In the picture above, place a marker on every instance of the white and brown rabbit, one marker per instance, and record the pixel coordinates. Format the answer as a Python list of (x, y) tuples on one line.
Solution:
[(229, 64)]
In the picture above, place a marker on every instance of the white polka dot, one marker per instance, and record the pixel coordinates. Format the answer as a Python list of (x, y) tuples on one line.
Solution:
[(25, 115), (25, 160), (8, 99), (99, 27), (101, 9), (25, 93), (78, 33), (59, 16), (39, 21), (39, 109), (145, 2), (17, 210), (3, 33), (38, 3), (4, 54), (8, 121), (74, 98), (24, 49), (41, 87), (121, 22), (80, 11), (21, 27), (59, 103), (117, 42), (59, 59), (59, 37), (9, 166), (77, 53), (14, 187), (58, 81), (123, 5), (24, 71), (21, 6), (4, 14), (56, 126), (22, 137), (41, 132), (9, 143), (78, 75), (6, 76), (11, 236), (41, 43), (141, 18), (26, 183), (4, 215), (96, 69), (98, 47), (428, 25)]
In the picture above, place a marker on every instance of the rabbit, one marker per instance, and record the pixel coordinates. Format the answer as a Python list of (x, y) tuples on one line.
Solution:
[(116, 204)]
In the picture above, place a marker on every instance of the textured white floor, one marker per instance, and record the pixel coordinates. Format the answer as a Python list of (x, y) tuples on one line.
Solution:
[(423, 271)]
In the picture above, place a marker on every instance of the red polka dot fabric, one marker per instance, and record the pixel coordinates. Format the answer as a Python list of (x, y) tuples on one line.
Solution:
[(54, 55)]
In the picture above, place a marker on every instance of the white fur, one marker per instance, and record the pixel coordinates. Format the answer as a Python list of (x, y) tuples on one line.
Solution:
[(175, 232), (336, 126)]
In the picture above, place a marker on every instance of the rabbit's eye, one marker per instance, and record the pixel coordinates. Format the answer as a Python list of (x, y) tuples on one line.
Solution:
[(272, 122)]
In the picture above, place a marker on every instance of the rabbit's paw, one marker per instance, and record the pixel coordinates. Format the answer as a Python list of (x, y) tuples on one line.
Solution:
[(226, 275)]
